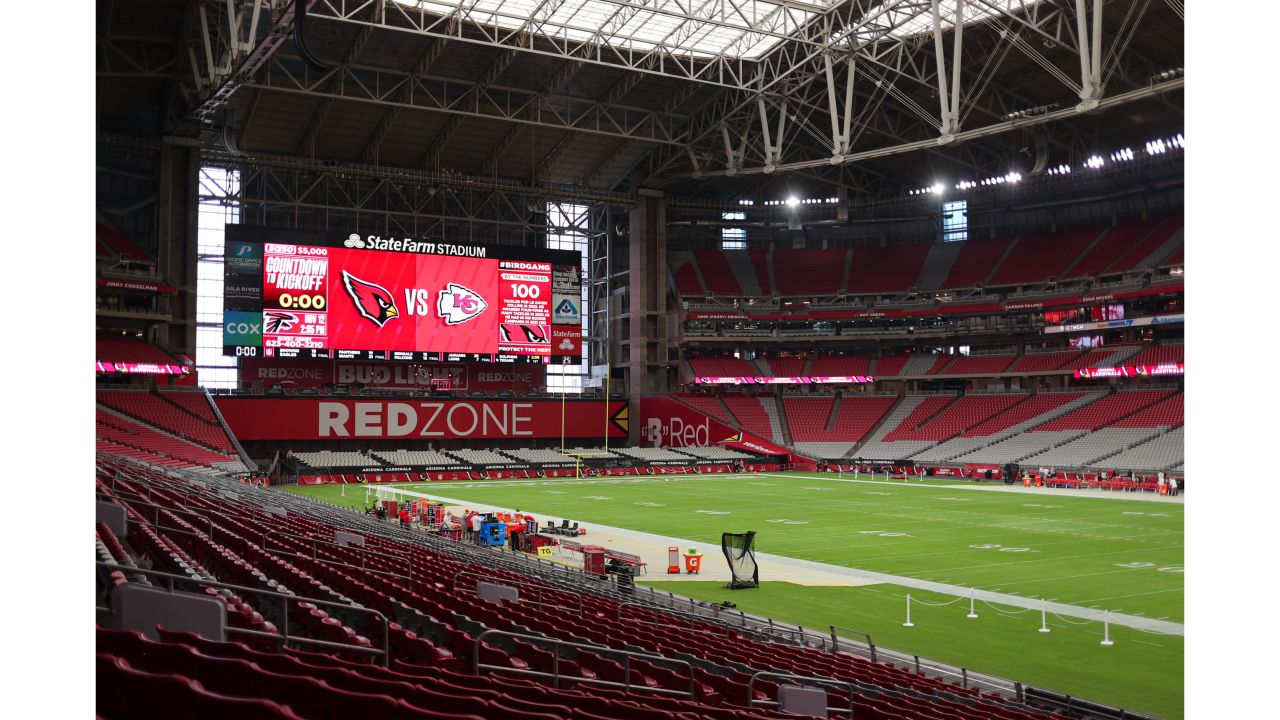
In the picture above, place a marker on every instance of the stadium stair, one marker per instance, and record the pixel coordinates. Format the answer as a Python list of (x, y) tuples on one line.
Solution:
[(1099, 235), (1174, 244), (938, 265), (745, 273)]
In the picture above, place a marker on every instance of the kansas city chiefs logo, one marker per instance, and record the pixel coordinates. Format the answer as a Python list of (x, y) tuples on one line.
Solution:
[(372, 301), (457, 304), (279, 321)]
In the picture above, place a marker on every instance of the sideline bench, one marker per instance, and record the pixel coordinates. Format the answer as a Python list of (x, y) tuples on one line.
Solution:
[(628, 558)]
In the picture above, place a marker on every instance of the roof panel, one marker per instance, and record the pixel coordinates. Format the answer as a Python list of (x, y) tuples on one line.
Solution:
[(708, 28)]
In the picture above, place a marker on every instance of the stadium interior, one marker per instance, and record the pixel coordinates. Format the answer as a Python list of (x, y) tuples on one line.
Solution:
[(374, 257)]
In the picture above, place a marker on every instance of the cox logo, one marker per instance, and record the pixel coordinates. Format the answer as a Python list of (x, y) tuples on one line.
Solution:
[(242, 328)]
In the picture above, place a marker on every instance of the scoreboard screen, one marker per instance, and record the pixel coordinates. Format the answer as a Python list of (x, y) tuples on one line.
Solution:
[(351, 296)]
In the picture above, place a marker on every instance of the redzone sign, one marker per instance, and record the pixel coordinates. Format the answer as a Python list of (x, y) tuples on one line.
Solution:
[(313, 419)]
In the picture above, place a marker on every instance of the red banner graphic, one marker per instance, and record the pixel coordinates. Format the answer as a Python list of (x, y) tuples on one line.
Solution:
[(780, 380), (667, 423), (139, 284), (463, 377), (141, 368), (1132, 371), (332, 419)]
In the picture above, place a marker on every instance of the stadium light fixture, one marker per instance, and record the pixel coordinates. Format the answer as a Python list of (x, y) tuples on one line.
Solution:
[(937, 188), (1094, 162), (793, 201)]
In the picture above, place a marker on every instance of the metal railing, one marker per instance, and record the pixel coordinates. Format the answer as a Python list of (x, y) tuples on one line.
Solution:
[(835, 640), (627, 655), (775, 631), (518, 583), (157, 508), (285, 598), (315, 555)]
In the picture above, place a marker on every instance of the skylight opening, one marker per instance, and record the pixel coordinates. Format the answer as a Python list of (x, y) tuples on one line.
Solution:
[(901, 20), (739, 30)]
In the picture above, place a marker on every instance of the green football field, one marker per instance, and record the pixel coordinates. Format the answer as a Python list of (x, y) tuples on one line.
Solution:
[(1105, 553)]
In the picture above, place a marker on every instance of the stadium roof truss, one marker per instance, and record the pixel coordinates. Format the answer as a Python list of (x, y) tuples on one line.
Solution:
[(681, 90)]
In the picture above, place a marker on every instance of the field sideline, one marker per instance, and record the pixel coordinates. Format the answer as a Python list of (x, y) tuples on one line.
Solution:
[(1101, 553), (1105, 553)]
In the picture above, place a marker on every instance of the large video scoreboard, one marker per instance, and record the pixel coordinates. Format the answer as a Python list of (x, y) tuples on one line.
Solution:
[(349, 296)]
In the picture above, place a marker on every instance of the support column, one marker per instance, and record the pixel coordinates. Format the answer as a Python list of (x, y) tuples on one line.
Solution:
[(647, 291), (177, 228)]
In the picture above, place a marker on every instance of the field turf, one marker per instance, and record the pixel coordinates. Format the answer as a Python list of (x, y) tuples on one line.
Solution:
[(1123, 556), (1141, 672)]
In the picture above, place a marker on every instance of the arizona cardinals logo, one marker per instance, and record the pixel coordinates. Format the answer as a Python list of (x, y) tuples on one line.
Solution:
[(372, 301), (279, 322), (457, 304), (531, 333)]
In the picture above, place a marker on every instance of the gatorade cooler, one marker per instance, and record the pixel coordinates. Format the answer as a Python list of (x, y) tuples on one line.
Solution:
[(673, 560), (593, 560), (692, 561)]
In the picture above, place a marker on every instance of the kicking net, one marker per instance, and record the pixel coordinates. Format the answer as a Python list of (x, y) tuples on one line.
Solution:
[(740, 550)]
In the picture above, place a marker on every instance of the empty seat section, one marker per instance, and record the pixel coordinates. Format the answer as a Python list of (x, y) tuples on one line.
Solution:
[(717, 273), (889, 269), (1105, 411), (687, 280), (928, 407), (760, 261), (1036, 258), (809, 272), (807, 418), (750, 415), (157, 411), (966, 412), (707, 404), (977, 364), (1166, 413), (1101, 357), (129, 350), (1157, 355), (1116, 242), (1043, 361), (153, 443), (121, 244), (891, 365), (785, 367), (976, 261), (1031, 408), (435, 630), (1142, 250), (858, 414), (722, 367), (840, 366), (1160, 452), (1175, 258)]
